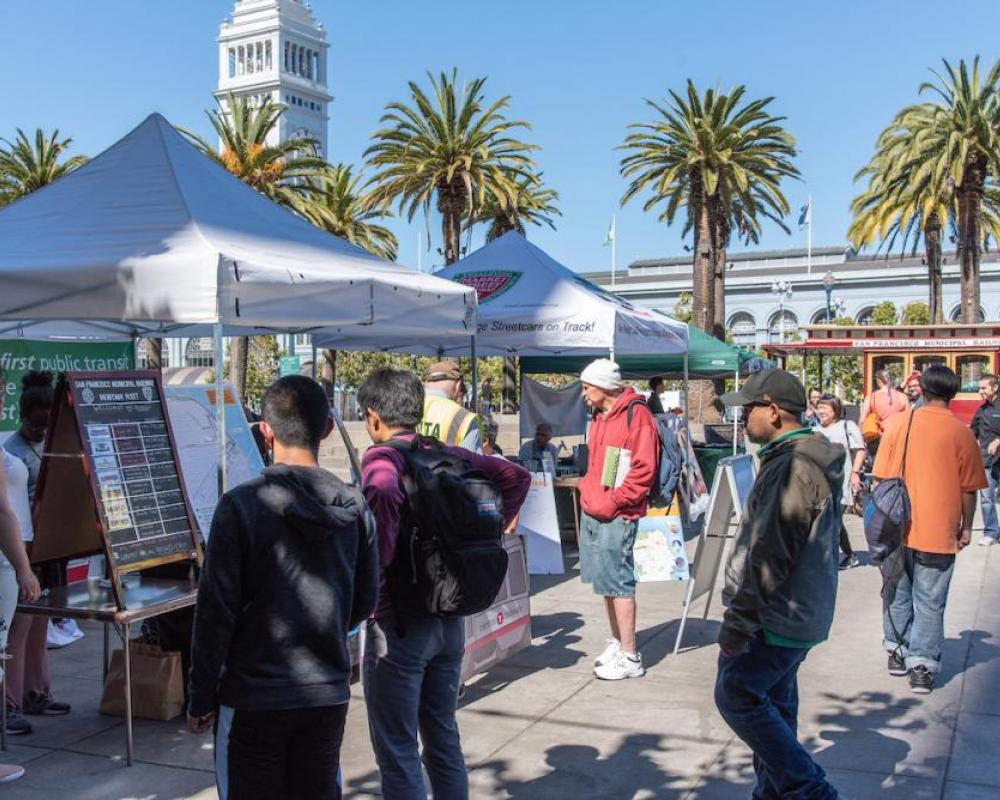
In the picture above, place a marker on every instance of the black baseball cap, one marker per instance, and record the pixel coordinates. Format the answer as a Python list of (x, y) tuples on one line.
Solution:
[(770, 386)]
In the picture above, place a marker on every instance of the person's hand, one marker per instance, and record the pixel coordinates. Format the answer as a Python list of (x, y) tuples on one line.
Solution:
[(993, 447), (202, 723), (30, 590), (964, 537), (855, 482)]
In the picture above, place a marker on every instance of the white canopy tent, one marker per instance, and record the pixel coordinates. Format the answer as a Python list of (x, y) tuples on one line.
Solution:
[(151, 238), (531, 305)]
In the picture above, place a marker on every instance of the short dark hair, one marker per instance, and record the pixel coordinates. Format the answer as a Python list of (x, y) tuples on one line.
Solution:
[(989, 376), (654, 382), (940, 382), (36, 392), (297, 409), (834, 402), (396, 395)]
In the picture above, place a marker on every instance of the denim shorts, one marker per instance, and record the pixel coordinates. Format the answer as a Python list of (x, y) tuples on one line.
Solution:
[(606, 555)]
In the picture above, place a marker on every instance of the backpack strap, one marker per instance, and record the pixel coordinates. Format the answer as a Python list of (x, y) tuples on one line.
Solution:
[(906, 443)]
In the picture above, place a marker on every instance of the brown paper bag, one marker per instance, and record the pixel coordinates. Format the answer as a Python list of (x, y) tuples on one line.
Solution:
[(157, 683)]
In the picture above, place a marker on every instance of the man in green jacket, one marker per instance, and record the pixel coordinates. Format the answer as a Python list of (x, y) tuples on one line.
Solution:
[(781, 584)]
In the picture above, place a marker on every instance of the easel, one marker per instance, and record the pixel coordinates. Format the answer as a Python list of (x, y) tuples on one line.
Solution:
[(733, 479)]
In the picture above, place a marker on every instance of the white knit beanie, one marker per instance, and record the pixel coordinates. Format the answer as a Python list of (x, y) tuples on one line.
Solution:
[(602, 373)]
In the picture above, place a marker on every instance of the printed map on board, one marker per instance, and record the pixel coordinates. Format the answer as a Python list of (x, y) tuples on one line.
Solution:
[(192, 417)]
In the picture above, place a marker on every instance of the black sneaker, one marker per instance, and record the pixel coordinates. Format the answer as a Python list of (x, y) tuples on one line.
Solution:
[(17, 725), (921, 680), (37, 705), (849, 561), (897, 666)]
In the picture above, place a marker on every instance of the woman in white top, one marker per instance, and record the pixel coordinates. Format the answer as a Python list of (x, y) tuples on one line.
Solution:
[(842, 431), (16, 577)]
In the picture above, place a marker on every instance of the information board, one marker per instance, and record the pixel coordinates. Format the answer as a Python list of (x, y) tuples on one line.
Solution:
[(110, 477), (539, 526), (193, 419)]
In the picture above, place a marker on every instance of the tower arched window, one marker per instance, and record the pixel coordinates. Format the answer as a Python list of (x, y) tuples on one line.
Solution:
[(864, 316), (743, 328), (956, 314), (199, 353), (268, 65), (232, 62), (288, 57), (241, 62)]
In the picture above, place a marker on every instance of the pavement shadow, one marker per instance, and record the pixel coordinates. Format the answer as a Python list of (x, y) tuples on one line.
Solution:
[(657, 642), (970, 649), (580, 771)]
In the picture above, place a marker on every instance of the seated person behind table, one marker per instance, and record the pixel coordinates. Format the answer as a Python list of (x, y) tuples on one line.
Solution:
[(532, 451)]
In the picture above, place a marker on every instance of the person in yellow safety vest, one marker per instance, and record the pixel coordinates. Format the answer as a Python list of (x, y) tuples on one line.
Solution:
[(444, 418)]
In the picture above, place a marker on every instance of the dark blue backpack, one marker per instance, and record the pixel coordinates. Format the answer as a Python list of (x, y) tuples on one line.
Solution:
[(887, 512), (668, 474)]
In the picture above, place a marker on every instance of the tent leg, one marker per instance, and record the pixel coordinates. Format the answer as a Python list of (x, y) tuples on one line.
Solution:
[(736, 421), (314, 354), (475, 375), (220, 405)]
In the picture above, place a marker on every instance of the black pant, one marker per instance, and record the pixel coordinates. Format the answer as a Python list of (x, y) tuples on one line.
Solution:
[(845, 542), (290, 754)]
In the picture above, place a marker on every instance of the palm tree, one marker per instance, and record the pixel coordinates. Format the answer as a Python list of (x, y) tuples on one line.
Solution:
[(722, 162), (287, 172), (532, 203), (450, 147), (340, 209), (26, 166), (956, 138)]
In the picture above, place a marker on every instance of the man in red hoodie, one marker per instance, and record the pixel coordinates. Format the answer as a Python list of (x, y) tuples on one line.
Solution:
[(624, 453)]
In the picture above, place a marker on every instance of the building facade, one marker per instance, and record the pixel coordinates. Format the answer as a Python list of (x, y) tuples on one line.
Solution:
[(769, 294), (275, 49)]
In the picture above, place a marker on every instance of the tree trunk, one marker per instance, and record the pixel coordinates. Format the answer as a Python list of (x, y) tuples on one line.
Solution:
[(328, 374), (239, 349), (451, 204), (720, 238), (154, 353), (703, 401), (969, 205), (932, 248), (508, 394)]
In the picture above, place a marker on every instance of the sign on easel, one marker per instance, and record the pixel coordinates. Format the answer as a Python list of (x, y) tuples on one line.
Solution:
[(110, 480), (539, 526), (734, 478)]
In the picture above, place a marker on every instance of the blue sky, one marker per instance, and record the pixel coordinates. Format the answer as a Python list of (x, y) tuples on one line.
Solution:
[(578, 70)]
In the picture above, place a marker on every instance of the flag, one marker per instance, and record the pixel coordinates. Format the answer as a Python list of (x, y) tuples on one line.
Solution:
[(610, 236), (806, 214)]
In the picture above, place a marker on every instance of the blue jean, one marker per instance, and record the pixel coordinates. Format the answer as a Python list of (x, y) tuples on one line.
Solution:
[(411, 681), (917, 607), (606, 558), (988, 504), (757, 693)]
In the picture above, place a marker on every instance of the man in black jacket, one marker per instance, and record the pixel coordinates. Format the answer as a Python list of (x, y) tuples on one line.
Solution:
[(291, 565), (985, 427), (781, 584)]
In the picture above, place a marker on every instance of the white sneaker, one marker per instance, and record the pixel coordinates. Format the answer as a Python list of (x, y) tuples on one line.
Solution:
[(620, 667), (613, 646), (987, 541)]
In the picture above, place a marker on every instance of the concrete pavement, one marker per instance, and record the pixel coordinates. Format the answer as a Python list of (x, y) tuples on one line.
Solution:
[(540, 726)]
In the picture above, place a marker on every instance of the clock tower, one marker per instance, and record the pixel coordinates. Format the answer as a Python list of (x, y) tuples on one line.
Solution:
[(277, 49)]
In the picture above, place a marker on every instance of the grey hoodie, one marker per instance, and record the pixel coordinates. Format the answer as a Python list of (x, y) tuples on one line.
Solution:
[(291, 565), (782, 572)]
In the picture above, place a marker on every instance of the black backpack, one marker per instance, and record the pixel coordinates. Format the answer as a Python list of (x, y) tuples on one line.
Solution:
[(887, 512), (450, 560)]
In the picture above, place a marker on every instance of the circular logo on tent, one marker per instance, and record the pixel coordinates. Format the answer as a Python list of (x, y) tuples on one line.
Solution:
[(488, 285)]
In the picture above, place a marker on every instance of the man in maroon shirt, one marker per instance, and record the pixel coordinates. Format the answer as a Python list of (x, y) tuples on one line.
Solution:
[(412, 672)]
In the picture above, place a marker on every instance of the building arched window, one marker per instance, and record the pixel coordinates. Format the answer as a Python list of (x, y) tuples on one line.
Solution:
[(864, 316), (956, 314), (199, 353), (743, 328), (783, 325), (818, 317)]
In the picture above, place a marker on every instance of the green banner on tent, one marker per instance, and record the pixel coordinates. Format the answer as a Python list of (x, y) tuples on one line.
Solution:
[(18, 356)]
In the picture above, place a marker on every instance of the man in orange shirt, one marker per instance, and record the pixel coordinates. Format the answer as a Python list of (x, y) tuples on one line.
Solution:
[(940, 465)]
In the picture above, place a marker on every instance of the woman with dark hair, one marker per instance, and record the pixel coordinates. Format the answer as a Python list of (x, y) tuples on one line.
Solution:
[(28, 669), (830, 413)]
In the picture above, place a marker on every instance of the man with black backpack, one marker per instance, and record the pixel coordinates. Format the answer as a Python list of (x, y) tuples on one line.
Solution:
[(441, 513)]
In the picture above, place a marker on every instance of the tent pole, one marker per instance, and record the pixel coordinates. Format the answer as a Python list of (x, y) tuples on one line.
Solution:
[(313, 360), (736, 421), (220, 405), (475, 376), (686, 388)]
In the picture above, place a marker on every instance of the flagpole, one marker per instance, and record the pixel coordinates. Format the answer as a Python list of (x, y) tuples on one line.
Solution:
[(614, 241), (809, 237)]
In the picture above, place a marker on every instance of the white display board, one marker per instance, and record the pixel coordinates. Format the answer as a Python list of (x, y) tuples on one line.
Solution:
[(494, 635), (659, 553), (192, 417), (539, 526)]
